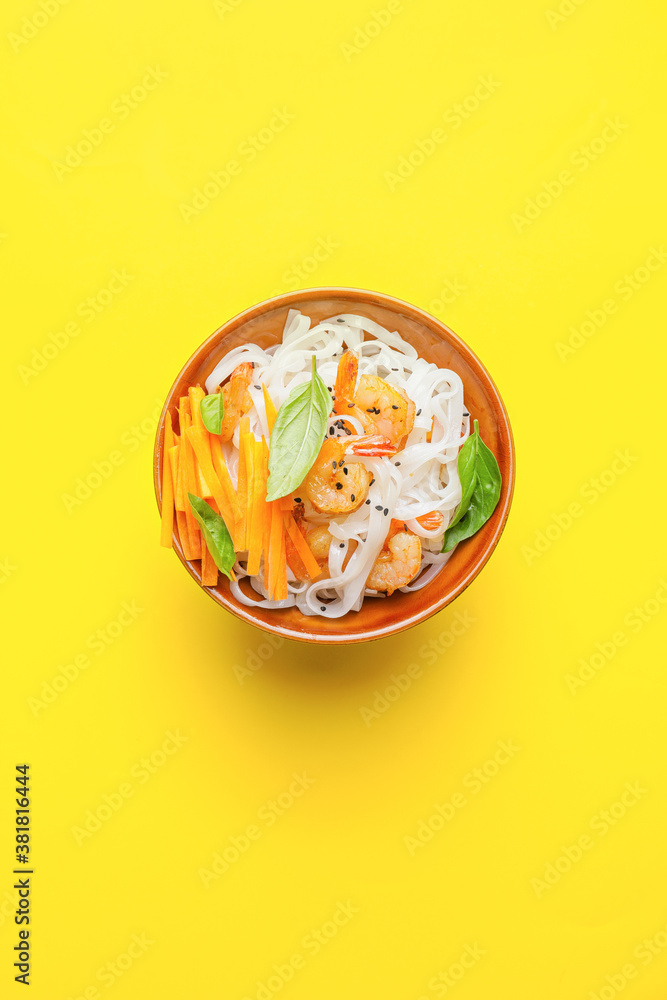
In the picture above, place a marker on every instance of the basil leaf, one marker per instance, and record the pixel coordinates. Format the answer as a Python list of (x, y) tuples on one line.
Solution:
[(216, 535), (483, 499), (467, 466), (212, 410), (297, 436)]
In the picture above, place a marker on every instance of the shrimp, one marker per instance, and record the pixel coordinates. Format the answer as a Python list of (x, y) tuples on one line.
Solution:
[(398, 563), (337, 486), (381, 408), (237, 399), (319, 540)]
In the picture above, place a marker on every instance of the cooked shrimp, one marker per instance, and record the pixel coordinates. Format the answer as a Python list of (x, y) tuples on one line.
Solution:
[(337, 486), (237, 399), (381, 408), (398, 563)]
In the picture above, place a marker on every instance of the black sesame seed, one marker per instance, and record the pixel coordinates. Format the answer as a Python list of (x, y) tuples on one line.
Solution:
[(372, 410), (352, 498), (386, 511), (394, 406), (342, 545), (297, 499), (339, 320), (339, 486), (418, 412), (397, 464), (334, 464), (368, 501), (394, 369), (323, 608), (344, 470), (258, 387), (372, 481), (378, 506), (349, 404), (347, 431), (466, 414)]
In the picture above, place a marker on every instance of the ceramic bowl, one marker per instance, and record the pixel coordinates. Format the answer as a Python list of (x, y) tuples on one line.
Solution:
[(379, 617)]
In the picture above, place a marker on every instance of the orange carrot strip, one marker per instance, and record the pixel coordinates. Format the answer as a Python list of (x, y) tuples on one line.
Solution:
[(204, 490), (173, 462), (190, 486), (183, 533), (242, 485), (256, 529), (209, 570), (310, 563), (202, 445), (281, 576), (294, 560), (167, 525), (222, 473), (271, 411), (274, 547), (196, 394)]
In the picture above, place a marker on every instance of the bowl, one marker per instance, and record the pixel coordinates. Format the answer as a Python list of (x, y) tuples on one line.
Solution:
[(379, 617)]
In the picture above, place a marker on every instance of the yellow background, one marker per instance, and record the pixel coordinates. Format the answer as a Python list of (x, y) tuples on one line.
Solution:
[(450, 238)]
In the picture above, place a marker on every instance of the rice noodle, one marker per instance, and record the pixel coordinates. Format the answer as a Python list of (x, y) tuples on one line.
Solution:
[(420, 479)]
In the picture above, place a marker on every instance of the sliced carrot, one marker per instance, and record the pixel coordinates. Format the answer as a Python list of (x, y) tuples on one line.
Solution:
[(190, 486), (209, 570), (312, 567), (256, 527), (274, 547), (242, 485), (196, 394), (294, 560), (204, 490), (167, 525), (271, 411), (183, 533), (222, 472), (281, 575), (203, 445)]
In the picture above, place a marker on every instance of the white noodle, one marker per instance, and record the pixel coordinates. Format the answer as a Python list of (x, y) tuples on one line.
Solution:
[(421, 478)]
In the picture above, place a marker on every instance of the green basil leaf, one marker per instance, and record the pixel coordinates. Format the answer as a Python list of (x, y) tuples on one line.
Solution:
[(482, 501), (467, 466), (216, 535), (212, 410), (297, 436)]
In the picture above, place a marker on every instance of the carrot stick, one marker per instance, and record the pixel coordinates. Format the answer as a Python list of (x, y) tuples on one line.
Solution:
[(312, 567), (196, 394), (281, 576), (242, 485), (167, 525), (274, 547), (271, 411), (266, 507), (209, 570), (190, 485), (174, 452), (222, 472), (294, 560), (256, 527), (183, 533), (202, 443)]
